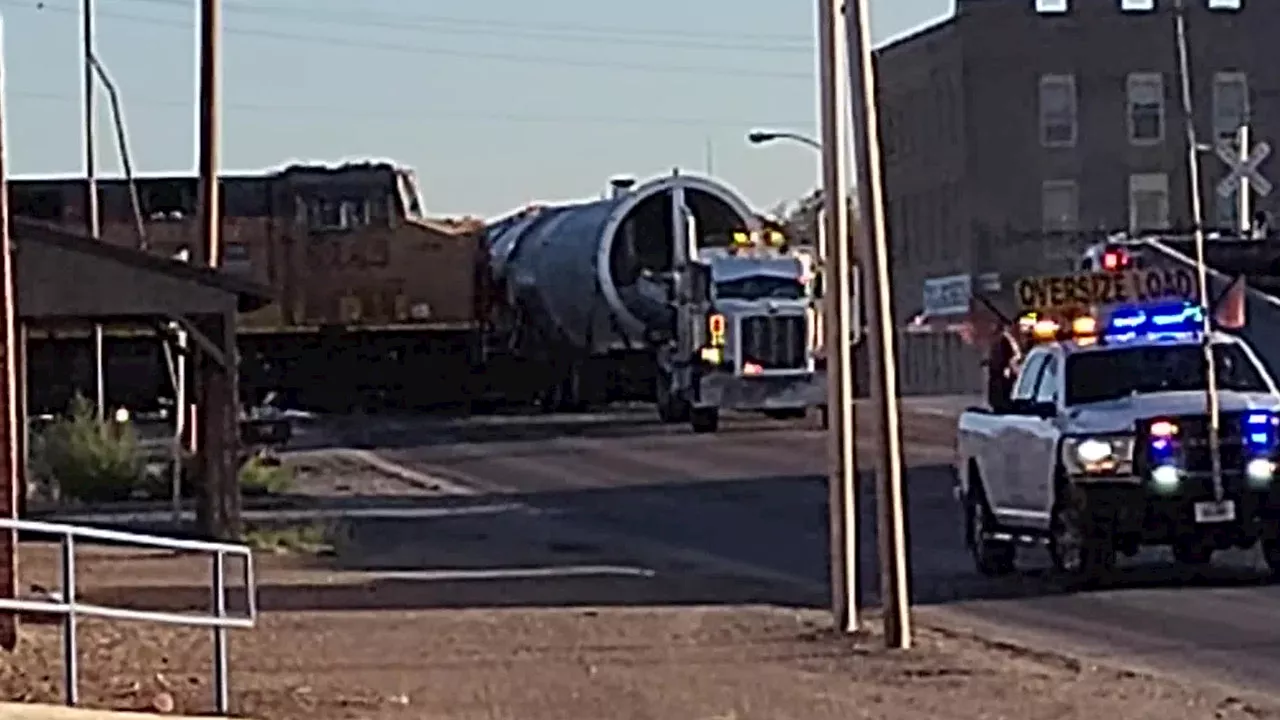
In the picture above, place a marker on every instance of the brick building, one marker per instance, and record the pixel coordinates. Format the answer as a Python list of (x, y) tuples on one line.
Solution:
[(1013, 134)]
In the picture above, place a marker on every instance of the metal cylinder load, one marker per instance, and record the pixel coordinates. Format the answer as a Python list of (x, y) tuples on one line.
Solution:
[(597, 275)]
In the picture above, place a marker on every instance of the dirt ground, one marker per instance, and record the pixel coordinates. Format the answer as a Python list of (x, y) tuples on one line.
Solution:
[(406, 653)]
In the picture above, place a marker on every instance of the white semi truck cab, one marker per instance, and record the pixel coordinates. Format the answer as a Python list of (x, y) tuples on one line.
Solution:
[(751, 336)]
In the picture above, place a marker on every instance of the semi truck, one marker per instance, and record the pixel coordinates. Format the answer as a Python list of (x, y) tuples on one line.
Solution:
[(667, 291)]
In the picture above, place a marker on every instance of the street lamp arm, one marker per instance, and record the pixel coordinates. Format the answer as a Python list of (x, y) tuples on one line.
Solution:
[(759, 137)]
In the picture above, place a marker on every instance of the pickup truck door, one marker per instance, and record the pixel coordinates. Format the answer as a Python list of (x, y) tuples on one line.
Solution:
[(1036, 441), (1003, 468)]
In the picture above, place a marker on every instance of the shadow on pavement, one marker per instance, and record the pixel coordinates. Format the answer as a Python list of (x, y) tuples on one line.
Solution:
[(768, 538)]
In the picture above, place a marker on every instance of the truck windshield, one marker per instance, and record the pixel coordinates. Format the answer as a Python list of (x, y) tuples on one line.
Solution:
[(761, 287), (1113, 374)]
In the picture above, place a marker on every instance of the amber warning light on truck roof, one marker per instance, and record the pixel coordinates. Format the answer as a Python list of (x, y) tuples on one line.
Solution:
[(1056, 293)]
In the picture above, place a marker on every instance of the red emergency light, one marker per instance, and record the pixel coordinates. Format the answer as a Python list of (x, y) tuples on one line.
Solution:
[(1116, 259)]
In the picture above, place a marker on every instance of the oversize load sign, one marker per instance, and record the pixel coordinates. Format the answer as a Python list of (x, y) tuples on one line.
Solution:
[(1105, 288)]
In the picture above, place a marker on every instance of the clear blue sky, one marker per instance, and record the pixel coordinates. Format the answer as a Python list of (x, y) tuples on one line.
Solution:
[(495, 104)]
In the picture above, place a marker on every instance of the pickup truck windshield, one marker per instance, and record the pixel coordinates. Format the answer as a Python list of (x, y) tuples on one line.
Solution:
[(1113, 374), (761, 287)]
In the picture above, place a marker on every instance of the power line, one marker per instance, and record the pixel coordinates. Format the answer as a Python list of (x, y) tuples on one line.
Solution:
[(773, 43), (373, 113), (418, 49)]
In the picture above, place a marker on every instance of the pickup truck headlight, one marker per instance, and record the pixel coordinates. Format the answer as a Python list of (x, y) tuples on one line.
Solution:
[(1098, 455)]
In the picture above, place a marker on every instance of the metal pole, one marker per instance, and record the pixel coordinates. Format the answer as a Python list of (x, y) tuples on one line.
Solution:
[(221, 689), (179, 423), (92, 224), (833, 94), (70, 653), (1197, 222), (122, 145), (1244, 196), (873, 256)]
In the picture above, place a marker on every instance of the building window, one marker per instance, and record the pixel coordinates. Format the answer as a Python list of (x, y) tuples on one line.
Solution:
[(1149, 202), (1230, 103), (1146, 108), (1058, 111), (1059, 205)]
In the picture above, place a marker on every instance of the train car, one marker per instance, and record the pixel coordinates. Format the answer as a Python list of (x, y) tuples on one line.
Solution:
[(376, 304)]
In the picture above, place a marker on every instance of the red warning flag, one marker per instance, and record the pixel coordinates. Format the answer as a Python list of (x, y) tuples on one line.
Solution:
[(1228, 311)]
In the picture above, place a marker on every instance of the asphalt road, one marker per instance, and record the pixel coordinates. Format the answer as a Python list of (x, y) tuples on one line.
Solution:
[(752, 500)]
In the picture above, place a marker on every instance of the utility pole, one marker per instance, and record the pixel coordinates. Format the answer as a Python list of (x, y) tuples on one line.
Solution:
[(842, 482), (873, 251), (216, 424), (92, 221), (11, 424), (1197, 222)]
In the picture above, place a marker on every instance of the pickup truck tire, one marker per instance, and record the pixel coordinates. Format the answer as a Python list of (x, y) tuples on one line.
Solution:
[(1080, 543), (992, 557), (1271, 554)]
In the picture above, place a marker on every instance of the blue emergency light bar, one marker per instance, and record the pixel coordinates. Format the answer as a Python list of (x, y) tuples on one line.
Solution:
[(1175, 321)]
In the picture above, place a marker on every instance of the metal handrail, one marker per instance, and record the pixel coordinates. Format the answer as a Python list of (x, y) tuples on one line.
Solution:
[(71, 610)]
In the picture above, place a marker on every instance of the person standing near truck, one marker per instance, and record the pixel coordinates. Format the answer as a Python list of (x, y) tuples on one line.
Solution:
[(1003, 359)]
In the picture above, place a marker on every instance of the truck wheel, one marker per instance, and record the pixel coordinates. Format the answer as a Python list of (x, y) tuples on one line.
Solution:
[(1079, 546), (991, 557), (1271, 554), (705, 420)]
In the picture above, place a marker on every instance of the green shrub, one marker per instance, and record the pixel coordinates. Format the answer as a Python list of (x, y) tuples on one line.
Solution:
[(263, 476), (88, 459)]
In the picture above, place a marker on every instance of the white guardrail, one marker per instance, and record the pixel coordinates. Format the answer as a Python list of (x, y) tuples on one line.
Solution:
[(71, 609)]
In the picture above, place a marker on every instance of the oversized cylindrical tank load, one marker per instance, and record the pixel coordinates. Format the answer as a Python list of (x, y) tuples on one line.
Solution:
[(595, 277)]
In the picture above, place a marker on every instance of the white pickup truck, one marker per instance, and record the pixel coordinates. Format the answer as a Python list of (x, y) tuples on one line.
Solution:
[(1103, 447)]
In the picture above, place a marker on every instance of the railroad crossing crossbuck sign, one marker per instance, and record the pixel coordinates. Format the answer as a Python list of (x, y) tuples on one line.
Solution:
[(1245, 169)]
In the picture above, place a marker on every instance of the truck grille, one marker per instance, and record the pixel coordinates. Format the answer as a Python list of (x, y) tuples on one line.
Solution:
[(1193, 438), (775, 342)]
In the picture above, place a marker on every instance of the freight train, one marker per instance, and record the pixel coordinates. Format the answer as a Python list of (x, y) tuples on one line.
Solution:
[(376, 304), (378, 307)]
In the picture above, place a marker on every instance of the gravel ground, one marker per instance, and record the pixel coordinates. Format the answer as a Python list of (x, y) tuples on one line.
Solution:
[(401, 656)]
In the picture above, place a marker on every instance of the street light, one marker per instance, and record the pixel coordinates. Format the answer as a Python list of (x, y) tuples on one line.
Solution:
[(760, 137)]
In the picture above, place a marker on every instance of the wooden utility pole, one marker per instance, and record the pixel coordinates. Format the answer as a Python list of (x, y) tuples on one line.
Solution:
[(842, 482), (216, 431), (10, 426), (873, 251)]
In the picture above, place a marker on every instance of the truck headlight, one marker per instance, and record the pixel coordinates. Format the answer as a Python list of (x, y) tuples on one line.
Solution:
[(1098, 455)]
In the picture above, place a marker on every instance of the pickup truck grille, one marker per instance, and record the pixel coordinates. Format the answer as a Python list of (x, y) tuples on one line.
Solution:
[(1193, 440), (775, 342)]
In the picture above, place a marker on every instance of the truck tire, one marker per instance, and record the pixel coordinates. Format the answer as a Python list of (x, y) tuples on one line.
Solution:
[(991, 557), (705, 420), (1271, 554), (1080, 543)]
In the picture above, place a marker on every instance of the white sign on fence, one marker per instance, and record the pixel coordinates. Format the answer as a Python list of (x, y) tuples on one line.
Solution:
[(949, 295)]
